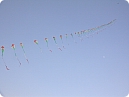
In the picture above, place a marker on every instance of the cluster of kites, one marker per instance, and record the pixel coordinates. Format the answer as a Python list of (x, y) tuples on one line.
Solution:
[(84, 33)]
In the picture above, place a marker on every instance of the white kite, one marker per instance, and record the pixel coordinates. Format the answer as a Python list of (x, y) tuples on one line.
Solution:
[(127, 1), (1, 1)]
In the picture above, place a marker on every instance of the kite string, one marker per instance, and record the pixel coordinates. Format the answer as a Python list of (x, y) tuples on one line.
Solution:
[(58, 46), (40, 48), (25, 55), (17, 57), (63, 44), (73, 38), (66, 39), (26, 58), (80, 36), (5, 63), (48, 48)]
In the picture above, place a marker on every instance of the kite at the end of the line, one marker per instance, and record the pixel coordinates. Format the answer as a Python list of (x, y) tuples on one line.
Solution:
[(2, 48), (46, 39), (36, 42), (13, 46), (55, 39)]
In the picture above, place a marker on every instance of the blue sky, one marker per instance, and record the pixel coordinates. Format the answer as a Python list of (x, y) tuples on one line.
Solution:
[(98, 66)]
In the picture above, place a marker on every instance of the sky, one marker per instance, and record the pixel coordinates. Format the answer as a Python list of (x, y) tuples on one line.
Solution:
[(91, 65)]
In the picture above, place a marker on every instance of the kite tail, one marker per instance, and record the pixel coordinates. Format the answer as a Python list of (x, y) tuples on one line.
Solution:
[(25, 55), (86, 34), (62, 44), (48, 47), (67, 41), (17, 58), (58, 47), (5, 64), (50, 50), (40, 48), (105, 25), (74, 40), (26, 58), (2, 54), (81, 38), (23, 49), (7, 68)]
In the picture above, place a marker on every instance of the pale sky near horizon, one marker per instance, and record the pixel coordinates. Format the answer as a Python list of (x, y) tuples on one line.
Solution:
[(95, 66)]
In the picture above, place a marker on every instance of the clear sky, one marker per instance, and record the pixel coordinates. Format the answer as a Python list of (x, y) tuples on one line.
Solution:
[(97, 66)]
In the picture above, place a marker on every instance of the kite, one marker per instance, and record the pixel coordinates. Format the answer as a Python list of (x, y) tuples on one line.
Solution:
[(62, 41), (81, 34), (102, 27), (56, 44), (86, 32), (2, 48), (21, 44), (46, 39), (13, 47), (92, 31), (36, 42)]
